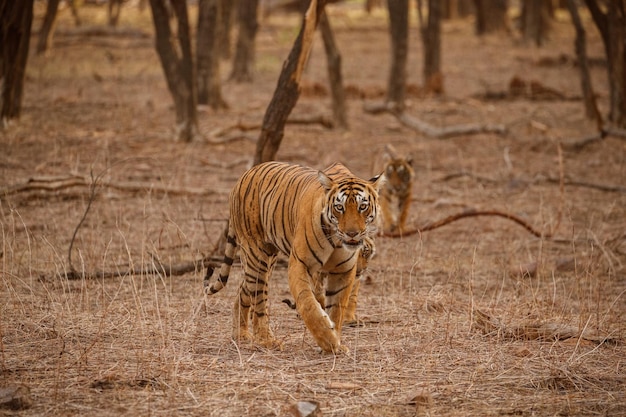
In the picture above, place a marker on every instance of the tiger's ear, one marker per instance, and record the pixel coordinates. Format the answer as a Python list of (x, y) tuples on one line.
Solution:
[(325, 180), (378, 181)]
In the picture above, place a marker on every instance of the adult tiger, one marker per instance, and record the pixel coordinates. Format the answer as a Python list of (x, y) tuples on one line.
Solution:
[(318, 219)]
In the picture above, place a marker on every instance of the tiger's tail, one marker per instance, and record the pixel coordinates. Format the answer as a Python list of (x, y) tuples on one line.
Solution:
[(229, 256)]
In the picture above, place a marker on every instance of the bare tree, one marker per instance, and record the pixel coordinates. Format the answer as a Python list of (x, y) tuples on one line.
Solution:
[(490, 16), (612, 26), (399, 30), (333, 58), (452, 9), (16, 19), (535, 19), (591, 107), (244, 52), (114, 9), (226, 21), (287, 90), (431, 39), (47, 26), (208, 53), (176, 60)]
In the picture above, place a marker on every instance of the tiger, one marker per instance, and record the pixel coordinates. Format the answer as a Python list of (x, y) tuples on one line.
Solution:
[(319, 219), (395, 195), (365, 255)]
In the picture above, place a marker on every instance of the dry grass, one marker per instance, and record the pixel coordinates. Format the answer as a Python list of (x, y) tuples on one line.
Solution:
[(153, 345)]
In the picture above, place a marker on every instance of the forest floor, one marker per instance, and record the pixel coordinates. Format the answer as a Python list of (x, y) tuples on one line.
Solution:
[(478, 317)]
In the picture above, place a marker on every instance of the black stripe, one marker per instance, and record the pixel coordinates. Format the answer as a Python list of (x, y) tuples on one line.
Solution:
[(333, 293)]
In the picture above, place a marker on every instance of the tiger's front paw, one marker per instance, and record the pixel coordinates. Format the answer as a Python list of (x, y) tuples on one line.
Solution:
[(335, 349), (270, 343)]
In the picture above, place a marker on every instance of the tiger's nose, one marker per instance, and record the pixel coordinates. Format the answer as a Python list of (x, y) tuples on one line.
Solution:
[(352, 234)]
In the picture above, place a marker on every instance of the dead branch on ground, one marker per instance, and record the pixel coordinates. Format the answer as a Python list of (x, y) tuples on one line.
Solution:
[(239, 129), (604, 132), (62, 182), (430, 130), (465, 214), (157, 269), (533, 331)]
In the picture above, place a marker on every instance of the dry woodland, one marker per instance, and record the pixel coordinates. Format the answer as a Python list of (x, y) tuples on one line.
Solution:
[(99, 207)]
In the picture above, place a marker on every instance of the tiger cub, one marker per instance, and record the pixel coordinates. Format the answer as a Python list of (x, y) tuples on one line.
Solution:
[(395, 194), (365, 255), (320, 220)]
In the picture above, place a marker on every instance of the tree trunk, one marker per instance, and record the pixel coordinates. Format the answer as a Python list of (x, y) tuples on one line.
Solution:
[(399, 30), (16, 18), (591, 107), (288, 88), (226, 20), (490, 16), (333, 58), (244, 54), (74, 8), (454, 9), (617, 61), (535, 20), (178, 69), (611, 28), (47, 26), (208, 54), (431, 38), (115, 8)]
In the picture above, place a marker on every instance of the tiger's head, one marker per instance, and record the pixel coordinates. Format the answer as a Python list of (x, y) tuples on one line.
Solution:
[(351, 207), (399, 173)]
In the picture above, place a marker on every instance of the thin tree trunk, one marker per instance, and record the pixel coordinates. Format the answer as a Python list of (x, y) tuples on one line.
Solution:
[(47, 26), (16, 19), (226, 20), (535, 20), (617, 61), (591, 107), (399, 30), (490, 16), (244, 53), (288, 88), (178, 69), (208, 54), (611, 27), (431, 38), (115, 8), (334, 72)]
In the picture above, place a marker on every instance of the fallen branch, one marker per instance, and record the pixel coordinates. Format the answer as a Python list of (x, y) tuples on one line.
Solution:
[(601, 187), (469, 213), (237, 131), (429, 130), (157, 269), (533, 331), (59, 183), (605, 132), (450, 131)]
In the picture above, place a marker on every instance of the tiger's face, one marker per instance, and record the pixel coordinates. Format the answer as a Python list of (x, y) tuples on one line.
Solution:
[(399, 173), (351, 207)]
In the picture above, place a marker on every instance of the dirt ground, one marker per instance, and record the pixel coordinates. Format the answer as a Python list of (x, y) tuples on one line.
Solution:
[(478, 317)]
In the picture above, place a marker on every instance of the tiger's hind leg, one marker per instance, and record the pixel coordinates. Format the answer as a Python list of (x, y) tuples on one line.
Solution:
[(252, 301)]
